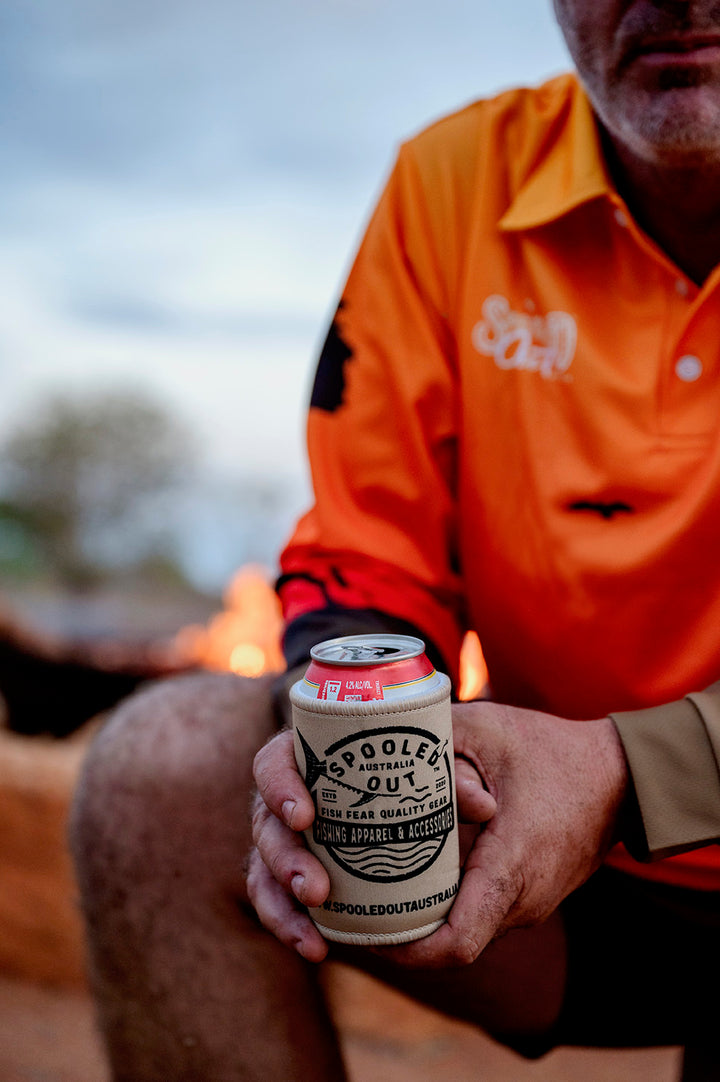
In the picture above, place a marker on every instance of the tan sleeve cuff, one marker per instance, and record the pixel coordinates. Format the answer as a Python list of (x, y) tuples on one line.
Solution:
[(673, 753)]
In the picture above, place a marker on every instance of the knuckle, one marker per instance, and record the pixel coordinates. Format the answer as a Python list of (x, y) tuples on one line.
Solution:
[(277, 866), (259, 808), (259, 763), (253, 876), (273, 850), (260, 815), (272, 763), (265, 840), (266, 754)]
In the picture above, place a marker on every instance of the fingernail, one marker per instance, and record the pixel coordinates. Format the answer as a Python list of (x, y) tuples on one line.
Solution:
[(297, 883), (288, 810)]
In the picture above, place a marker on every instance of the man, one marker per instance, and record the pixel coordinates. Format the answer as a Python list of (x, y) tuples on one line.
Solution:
[(514, 427)]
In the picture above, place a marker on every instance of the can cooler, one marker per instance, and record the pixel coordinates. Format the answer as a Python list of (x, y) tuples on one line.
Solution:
[(381, 774)]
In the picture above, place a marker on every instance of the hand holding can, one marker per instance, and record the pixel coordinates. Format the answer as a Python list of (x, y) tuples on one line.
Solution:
[(373, 740)]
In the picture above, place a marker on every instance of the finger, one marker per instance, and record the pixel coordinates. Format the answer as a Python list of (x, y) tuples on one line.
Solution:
[(286, 857), (475, 803), (481, 911), (458, 942), (280, 915), (483, 907), (280, 784)]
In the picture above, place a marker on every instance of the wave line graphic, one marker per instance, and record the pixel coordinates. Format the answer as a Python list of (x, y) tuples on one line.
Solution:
[(390, 859)]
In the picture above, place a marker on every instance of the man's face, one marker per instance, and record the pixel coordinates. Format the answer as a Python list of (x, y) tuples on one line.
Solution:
[(652, 71)]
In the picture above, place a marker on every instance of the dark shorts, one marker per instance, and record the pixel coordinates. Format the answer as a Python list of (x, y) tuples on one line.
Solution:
[(643, 964), (641, 968)]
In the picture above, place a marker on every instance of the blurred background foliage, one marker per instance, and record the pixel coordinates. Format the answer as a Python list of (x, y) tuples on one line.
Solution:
[(112, 522), (86, 482)]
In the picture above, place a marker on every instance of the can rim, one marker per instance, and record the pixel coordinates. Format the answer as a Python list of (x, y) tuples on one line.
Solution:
[(407, 647)]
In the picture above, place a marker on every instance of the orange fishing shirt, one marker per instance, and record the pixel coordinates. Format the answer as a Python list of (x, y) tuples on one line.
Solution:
[(515, 425)]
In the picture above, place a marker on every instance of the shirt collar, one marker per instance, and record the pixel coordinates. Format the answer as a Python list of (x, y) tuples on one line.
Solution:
[(572, 171)]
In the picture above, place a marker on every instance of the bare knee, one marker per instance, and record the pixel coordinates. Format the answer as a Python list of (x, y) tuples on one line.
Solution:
[(164, 793)]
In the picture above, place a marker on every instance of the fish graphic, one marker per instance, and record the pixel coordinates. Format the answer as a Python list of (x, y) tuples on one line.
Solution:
[(316, 768)]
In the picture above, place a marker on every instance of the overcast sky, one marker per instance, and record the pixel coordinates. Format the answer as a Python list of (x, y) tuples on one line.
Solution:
[(183, 182)]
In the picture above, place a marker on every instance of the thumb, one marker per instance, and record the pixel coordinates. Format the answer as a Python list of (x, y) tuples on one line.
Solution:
[(475, 803)]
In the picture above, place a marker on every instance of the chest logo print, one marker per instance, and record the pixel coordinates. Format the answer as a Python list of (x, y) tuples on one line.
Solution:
[(525, 341)]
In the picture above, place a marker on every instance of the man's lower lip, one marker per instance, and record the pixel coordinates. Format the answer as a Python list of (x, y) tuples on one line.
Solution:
[(697, 57)]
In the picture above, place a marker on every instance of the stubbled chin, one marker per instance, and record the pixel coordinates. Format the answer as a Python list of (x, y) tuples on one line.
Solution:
[(676, 120)]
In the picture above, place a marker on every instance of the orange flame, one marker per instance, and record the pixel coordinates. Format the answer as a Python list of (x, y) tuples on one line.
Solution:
[(473, 670), (245, 636)]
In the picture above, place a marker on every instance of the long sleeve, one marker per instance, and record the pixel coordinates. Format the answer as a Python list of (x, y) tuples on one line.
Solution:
[(673, 752), (381, 537)]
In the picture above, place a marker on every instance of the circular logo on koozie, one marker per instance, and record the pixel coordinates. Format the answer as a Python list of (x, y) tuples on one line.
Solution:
[(383, 800)]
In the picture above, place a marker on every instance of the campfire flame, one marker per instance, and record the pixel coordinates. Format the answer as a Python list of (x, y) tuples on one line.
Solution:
[(244, 636), (473, 670)]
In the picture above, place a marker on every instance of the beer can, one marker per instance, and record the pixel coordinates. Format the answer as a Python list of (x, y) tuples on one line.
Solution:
[(373, 741), (356, 668)]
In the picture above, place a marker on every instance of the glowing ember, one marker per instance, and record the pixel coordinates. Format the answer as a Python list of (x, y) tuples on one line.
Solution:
[(245, 636)]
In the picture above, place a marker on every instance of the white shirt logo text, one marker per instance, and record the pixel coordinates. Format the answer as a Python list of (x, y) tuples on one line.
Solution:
[(520, 340)]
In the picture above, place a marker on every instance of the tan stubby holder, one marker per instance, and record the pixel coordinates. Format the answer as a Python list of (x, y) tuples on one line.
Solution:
[(382, 777)]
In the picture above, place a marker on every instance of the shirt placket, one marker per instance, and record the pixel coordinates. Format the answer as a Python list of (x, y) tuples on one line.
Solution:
[(687, 388), (690, 399)]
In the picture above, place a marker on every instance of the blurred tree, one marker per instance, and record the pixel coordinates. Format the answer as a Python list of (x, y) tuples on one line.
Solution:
[(87, 476)]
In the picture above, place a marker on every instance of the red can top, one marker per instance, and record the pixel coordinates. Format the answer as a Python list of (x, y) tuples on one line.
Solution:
[(356, 668)]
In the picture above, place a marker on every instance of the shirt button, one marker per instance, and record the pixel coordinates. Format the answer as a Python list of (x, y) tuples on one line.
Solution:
[(621, 217), (681, 287), (688, 368)]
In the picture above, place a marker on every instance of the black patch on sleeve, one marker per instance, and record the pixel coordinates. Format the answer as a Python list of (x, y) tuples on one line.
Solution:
[(329, 386)]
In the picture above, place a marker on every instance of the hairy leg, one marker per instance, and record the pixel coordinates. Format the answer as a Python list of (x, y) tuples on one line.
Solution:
[(188, 986)]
